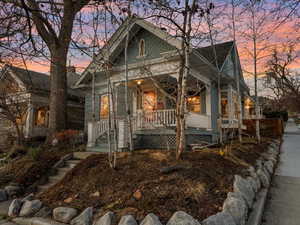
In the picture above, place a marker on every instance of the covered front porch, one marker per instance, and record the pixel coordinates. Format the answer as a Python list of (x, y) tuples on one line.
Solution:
[(153, 108)]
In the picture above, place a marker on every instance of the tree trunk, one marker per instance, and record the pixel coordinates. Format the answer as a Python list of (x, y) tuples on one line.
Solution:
[(58, 90)]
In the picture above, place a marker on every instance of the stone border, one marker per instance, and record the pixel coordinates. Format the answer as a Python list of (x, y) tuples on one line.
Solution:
[(235, 211)]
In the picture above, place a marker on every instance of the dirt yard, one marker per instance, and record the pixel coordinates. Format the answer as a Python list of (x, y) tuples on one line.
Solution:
[(138, 186)]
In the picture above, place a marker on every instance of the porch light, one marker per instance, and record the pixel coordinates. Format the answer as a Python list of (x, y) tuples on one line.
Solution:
[(139, 82)]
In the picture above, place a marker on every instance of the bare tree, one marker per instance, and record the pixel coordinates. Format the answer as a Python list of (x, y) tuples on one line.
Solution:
[(281, 79), (53, 22), (13, 105)]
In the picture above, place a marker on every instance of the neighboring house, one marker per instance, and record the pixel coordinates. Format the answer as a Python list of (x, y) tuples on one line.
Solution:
[(153, 68), (32, 89)]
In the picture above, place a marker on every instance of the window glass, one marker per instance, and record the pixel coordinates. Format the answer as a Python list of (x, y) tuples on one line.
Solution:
[(194, 104), (40, 118), (149, 100), (224, 104), (104, 106)]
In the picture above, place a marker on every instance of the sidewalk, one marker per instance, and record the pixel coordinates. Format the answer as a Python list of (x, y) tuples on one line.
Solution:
[(283, 205)]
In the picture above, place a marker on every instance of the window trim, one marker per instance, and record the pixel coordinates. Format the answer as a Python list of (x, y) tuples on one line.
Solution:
[(142, 49)]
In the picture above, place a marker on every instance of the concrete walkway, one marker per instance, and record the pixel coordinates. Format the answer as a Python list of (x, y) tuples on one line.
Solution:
[(283, 205)]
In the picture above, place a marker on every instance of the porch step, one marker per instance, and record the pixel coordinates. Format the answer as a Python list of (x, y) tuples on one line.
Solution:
[(72, 163), (97, 149), (61, 172), (84, 155)]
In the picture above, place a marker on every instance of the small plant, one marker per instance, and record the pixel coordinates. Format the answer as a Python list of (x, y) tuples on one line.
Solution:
[(35, 153)]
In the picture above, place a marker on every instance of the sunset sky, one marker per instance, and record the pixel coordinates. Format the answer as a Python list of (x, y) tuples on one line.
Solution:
[(284, 33)]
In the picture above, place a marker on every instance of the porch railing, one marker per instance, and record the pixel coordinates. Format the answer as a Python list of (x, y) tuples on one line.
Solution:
[(142, 120), (95, 130), (157, 118)]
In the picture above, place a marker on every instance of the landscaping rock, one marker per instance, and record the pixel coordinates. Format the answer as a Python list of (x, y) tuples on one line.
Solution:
[(14, 208), (272, 158), (182, 218), (127, 220), (137, 195), (269, 166), (252, 182), (85, 218), (236, 195), (64, 214), (242, 186), (29, 208), (237, 208), (151, 219), (35, 221), (3, 195), (263, 178), (13, 191), (107, 219), (222, 218), (259, 164), (44, 212)]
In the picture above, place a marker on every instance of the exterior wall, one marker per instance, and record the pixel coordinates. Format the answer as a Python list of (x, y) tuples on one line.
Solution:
[(153, 47)]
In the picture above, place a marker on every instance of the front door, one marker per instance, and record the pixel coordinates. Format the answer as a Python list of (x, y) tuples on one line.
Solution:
[(149, 100)]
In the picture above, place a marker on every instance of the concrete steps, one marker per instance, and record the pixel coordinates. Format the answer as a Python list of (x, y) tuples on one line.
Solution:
[(61, 172), (84, 155)]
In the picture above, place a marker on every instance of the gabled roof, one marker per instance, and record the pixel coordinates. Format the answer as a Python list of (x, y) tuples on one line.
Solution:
[(222, 51), (35, 81), (113, 44), (32, 80)]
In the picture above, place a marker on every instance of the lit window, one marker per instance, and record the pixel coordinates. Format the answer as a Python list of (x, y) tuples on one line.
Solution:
[(142, 48), (194, 104), (104, 110), (40, 118), (21, 120), (149, 100)]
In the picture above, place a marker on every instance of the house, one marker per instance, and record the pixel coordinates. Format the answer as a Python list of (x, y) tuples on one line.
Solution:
[(153, 68), (31, 91)]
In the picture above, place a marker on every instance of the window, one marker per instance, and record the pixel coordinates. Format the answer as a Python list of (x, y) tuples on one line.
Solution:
[(142, 48), (149, 100), (20, 120), (194, 104), (41, 119), (224, 104), (104, 110)]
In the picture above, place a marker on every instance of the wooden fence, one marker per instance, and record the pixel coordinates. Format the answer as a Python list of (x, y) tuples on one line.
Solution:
[(268, 127)]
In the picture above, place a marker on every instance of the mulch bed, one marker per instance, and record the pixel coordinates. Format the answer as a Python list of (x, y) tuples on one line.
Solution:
[(199, 187)]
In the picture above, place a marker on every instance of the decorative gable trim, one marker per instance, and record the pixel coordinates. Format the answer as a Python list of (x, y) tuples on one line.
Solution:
[(120, 35), (9, 72)]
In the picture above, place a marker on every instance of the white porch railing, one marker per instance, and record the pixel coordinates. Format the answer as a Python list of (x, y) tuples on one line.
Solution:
[(95, 130), (142, 120), (153, 119)]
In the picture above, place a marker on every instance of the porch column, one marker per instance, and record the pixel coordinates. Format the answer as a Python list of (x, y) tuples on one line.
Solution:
[(230, 103), (208, 104), (29, 121), (91, 134)]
